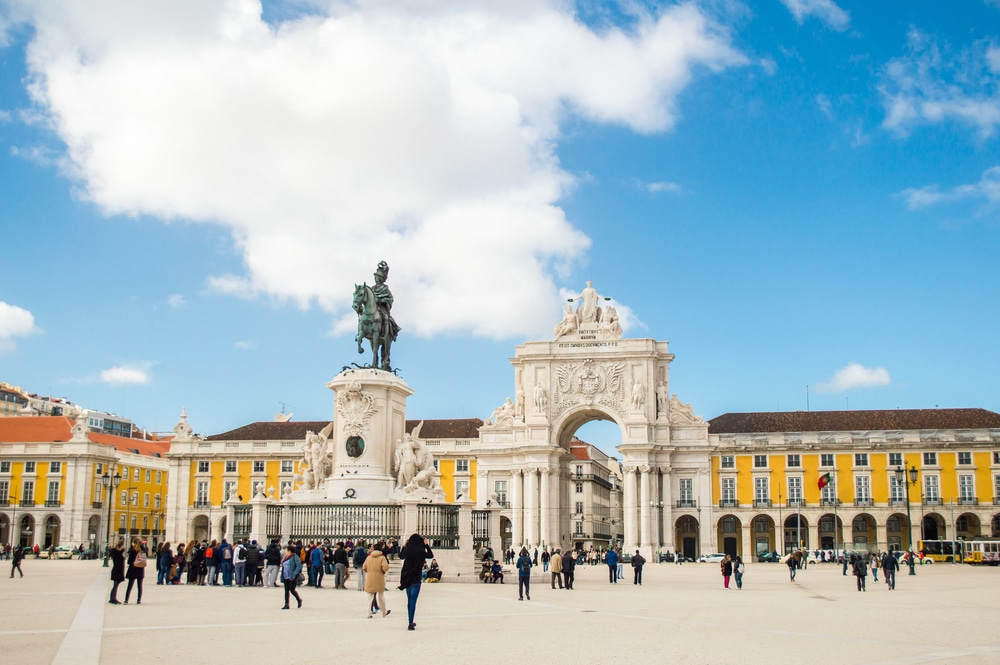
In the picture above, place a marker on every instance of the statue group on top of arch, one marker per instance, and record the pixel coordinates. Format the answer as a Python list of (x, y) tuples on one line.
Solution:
[(503, 415), (588, 317), (317, 462), (414, 464), (683, 414)]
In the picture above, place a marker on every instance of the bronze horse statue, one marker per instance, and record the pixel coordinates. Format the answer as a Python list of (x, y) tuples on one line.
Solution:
[(373, 326)]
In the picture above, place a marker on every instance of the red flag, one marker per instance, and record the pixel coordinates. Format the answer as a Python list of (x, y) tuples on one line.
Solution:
[(825, 480)]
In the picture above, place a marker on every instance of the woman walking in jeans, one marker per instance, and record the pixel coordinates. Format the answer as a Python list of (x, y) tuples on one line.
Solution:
[(291, 566), (414, 554), (524, 575)]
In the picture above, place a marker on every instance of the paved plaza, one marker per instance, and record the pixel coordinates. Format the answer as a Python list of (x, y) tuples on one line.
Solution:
[(949, 614)]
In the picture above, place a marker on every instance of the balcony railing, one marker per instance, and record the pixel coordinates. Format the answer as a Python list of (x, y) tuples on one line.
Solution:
[(897, 502), (729, 503), (761, 503), (4, 503), (686, 503), (795, 503), (831, 502), (145, 532), (202, 504), (996, 501), (864, 503), (27, 503), (968, 501), (932, 501), (52, 503), (97, 504)]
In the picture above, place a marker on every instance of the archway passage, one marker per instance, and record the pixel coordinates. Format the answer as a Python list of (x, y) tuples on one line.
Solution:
[(831, 532), (763, 535), (95, 535), (5, 534), (995, 526), (200, 528), (863, 533), (687, 537), (932, 527), (897, 533), (730, 535), (967, 525), (51, 532), (27, 531), (796, 533)]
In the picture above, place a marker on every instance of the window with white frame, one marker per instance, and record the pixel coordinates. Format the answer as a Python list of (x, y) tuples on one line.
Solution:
[(159, 477), (996, 459), (286, 466), (826, 459), (500, 488), (53, 495), (462, 466), (862, 488), (145, 521), (124, 473), (579, 508), (135, 475), (230, 466), (201, 493), (760, 489), (462, 489), (156, 524), (860, 459), (29, 467), (135, 499), (98, 492), (28, 492), (930, 459), (794, 489), (5, 466), (5, 491), (966, 488), (145, 500), (965, 458), (228, 488), (579, 469), (258, 466), (579, 529), (931, 488), (149, 475), (996, 487), (687, 491), (257, 488), (795, 461), (895, 459), (203, 466), (760, 461), (135, 522), (124, 498), (579, 488), (729, 490), (55, 467), (829, 492), (897, 490), (728, 462), (121, 522)]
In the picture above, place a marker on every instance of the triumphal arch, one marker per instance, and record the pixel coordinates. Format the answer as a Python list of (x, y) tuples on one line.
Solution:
[(590, 371)]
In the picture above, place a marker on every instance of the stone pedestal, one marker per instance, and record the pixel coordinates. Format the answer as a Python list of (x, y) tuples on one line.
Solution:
[(370, 417)]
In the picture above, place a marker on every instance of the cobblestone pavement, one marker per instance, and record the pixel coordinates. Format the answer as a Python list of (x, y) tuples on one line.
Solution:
[(947, 614)]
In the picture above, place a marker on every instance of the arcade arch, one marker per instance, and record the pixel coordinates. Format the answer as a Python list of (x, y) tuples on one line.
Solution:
[(932, 527), (763, 535), (831, 532), (52, 529), (967, 525), (730, 535), (864, 534), (796, 533)]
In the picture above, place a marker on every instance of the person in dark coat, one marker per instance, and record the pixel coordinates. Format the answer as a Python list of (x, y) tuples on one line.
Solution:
[(117, 569), (524, 574), (569, 566), (136, 569), (637, 563), (889, 567), (15, 562), (414, 554), (860, 567)]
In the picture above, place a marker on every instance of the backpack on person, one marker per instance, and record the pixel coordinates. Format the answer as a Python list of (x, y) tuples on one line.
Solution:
[(209, 553), (242, 554), (227, 554)]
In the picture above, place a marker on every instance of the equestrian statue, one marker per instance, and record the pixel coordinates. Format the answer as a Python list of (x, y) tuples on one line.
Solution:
[(375, 323)]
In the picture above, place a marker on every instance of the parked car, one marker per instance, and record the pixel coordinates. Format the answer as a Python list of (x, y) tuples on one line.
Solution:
[(60, 552), (711, 558), (768, 557)]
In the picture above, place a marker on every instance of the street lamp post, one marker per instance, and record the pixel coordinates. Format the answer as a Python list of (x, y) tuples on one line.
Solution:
[(110, 487), (901, 477)]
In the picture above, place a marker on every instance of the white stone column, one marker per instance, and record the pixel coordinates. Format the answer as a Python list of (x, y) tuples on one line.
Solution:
[(628, 507), (517, 507), (645, 538), (555, 508), (545, 496), (531, 506), (814, 534), (667, 514)]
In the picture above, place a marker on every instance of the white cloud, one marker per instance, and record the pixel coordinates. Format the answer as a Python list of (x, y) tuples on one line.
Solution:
[(826, 11), (658, 187), (122, 375), (244, 344), (853, 376), (5, 116), (420, 133), (176, 300), (930, 84), (988, 188), (825, 106), (14, 322)]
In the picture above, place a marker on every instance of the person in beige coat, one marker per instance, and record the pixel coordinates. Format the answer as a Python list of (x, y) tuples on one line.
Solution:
[(556, 567), (375, 567)]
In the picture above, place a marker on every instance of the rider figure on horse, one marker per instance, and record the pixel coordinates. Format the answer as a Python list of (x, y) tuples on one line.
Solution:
[(383, 297)]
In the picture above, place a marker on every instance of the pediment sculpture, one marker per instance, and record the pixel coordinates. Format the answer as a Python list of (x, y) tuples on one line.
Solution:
[(683, 414)]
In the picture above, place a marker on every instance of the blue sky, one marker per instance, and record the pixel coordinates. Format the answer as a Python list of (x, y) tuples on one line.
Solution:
[(792, 192)]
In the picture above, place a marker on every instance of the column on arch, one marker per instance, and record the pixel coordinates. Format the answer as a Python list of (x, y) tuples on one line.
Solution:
[(555, 508), (517, 507), (667, 514), (531, 506), (545, 498), (629, 509), (645, 538)]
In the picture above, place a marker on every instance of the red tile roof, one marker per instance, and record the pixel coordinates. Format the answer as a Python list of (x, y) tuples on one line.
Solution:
[(54, 429), (854, 421)]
